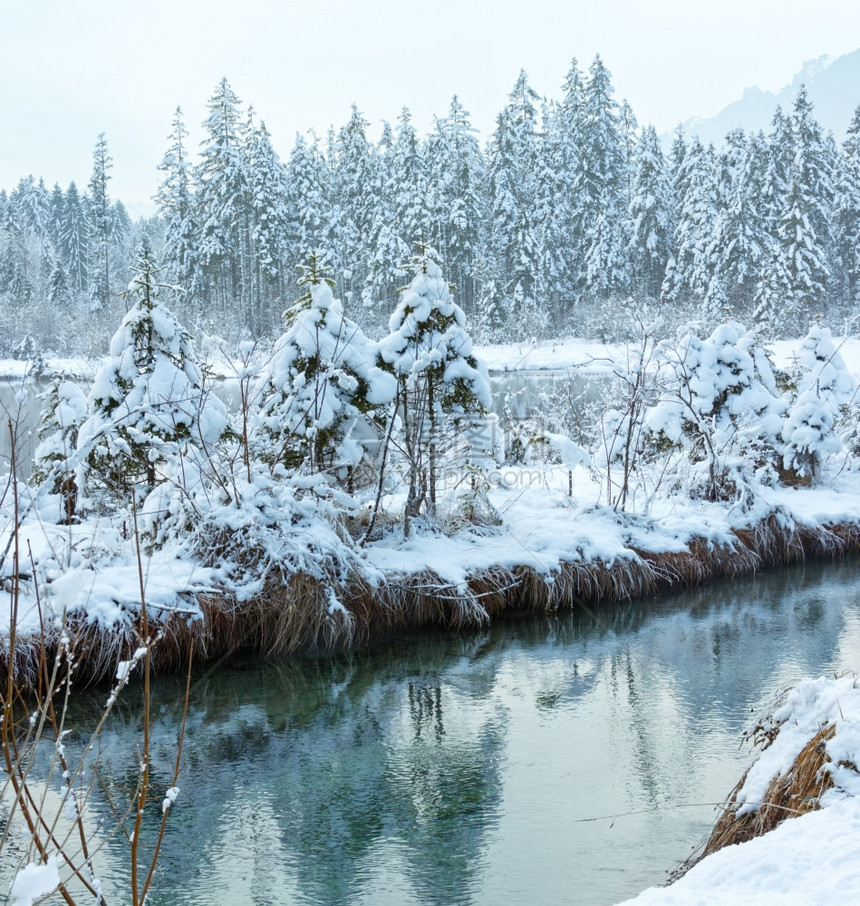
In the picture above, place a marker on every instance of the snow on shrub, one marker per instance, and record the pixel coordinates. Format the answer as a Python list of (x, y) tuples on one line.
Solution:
[(824, 388), (719, 403), (64, 412), (441, 385)]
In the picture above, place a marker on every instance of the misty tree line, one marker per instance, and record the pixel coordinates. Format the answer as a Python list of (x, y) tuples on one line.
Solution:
[(569, 210)]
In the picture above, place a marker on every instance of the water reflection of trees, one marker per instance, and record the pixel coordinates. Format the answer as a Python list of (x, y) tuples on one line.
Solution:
[(350, 755), (323, 774)]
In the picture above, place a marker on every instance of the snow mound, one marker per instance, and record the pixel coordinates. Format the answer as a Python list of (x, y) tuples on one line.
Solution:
[(809, 859)]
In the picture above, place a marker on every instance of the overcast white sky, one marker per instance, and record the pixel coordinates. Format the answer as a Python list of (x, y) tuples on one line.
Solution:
[(70, 69)]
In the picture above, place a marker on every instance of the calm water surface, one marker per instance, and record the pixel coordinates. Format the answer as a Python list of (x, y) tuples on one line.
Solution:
[(569, 760)]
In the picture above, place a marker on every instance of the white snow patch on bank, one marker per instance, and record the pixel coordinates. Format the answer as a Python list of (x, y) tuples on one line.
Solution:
[(811, 859)]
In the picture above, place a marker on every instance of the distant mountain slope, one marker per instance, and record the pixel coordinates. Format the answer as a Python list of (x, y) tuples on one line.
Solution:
[(833, 86)]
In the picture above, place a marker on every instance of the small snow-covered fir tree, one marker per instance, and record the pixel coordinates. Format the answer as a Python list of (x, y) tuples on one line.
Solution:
[(440, 382), (810, 429), (147, 404), (64, 412), (320, 384)]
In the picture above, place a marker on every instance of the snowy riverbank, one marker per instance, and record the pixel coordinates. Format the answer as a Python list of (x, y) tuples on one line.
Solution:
[(808, 859), (811, 859), (550, 551)]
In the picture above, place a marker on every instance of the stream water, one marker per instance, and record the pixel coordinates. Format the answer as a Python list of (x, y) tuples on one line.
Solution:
[(574, 759)]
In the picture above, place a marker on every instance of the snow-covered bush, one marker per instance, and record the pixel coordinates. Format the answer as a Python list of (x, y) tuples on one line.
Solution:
[(824, 389), (64, 412), (441, 385), (147, 404), (719, 404), (278, 542), (322, 387)]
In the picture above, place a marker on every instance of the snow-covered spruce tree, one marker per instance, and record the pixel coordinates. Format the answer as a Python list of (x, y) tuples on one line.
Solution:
[(401, 210), (146, 403), (810, 430), (175, 200), (407, 184), (321, 385), (774, 296), (719, 403), (569, 123), (804, 233), (691, 272), (603, 191), (511, 173), (780, 153), (55, 216), (102, 225), (492, 316), (440, 383), (740, 240), (269, 226), (221, 203), (64, 412), (307, 204), (847, 214), (456, 173), (552, 219), (715, 305), (651, 217), (59, 292), (75, 235), (353, 164)]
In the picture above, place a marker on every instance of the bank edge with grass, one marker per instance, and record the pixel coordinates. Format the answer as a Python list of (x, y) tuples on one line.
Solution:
[(346, 604)]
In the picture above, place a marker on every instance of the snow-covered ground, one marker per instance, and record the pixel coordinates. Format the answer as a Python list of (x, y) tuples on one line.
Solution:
[(589, 356), (92, 568), (810, 860)]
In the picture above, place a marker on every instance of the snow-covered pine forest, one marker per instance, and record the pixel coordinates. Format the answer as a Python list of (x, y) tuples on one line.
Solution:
[(567, 210), (337, 298)]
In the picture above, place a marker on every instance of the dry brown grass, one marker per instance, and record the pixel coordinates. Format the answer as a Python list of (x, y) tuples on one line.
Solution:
[(793, 793), (779, 540), (296, 612)]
